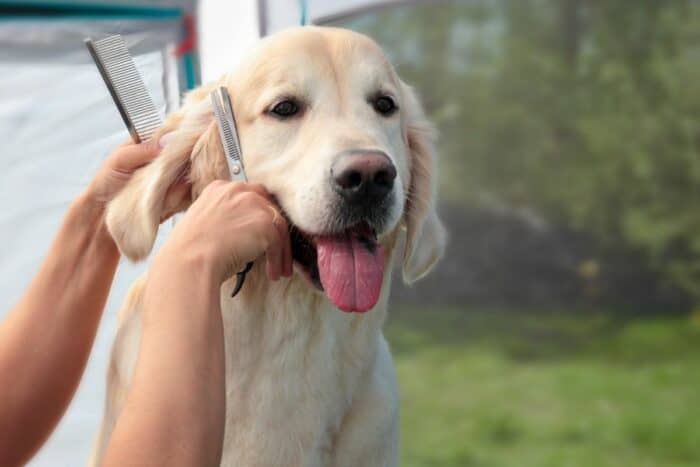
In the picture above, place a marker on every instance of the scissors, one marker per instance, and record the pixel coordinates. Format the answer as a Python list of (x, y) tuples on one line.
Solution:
[(232, 148)]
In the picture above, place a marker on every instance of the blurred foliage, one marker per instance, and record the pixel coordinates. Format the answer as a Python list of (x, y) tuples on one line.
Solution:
[(575, 388), (586, 113)]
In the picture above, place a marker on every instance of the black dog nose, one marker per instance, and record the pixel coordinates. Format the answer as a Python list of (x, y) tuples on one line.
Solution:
[(363, 177)]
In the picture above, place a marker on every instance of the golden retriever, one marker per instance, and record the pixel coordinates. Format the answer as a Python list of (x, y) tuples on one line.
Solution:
[(327, 126)]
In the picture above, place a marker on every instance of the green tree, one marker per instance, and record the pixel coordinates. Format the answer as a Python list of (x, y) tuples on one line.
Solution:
[(586, 112)]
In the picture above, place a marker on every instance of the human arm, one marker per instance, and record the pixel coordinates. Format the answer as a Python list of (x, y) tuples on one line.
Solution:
[(175, 408), (45, 339)]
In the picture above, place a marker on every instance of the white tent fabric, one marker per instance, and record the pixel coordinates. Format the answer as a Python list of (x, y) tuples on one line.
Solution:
[(54, 136), (57, 124)]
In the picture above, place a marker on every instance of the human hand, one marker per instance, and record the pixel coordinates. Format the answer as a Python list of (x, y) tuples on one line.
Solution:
[(229, 225), (118, 168)]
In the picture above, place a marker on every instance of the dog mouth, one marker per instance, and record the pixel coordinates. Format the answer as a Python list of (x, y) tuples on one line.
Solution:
[(347, 266), (305, 256)]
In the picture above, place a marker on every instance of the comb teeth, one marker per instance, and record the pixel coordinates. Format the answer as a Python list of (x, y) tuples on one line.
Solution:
[(124, 82)]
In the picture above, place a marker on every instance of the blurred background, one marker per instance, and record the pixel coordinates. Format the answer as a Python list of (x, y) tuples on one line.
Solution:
[(563, 326)]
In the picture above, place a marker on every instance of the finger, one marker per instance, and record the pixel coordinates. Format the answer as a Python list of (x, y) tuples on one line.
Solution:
[(283, 229), (259, 189), (236, 188), (279, 224), (288, 258), (214, 185), (273, 255), (282, 245), (165, 138), (247, 198), (271, 266), (290, 254), (282, 225), (131, 157)]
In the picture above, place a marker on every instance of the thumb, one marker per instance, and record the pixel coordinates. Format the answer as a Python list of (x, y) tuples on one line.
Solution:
[(131, 157)]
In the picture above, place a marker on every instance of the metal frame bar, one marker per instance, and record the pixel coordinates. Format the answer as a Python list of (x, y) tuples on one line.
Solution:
[(363, 10), (262, 18)]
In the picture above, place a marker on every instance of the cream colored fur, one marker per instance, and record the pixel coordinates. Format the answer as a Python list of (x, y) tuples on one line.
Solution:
[(307, 385)]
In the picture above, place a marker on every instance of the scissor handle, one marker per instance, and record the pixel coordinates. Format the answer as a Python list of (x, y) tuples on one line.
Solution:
[(240, 279)]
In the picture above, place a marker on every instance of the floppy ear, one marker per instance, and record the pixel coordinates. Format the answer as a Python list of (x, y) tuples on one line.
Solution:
[(192, 158), (425, 235)]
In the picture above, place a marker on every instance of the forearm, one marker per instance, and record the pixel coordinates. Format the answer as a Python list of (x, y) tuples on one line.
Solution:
[(46, 338), (175, 408)]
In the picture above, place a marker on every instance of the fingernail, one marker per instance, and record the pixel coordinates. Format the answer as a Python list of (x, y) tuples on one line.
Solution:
[(164, 139)]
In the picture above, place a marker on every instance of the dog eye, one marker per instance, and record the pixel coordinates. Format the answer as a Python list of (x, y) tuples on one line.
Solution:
[(384, 105), (285, 109)]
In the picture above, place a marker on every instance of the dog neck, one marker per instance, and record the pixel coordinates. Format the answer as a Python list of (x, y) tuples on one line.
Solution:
[(287, 321)]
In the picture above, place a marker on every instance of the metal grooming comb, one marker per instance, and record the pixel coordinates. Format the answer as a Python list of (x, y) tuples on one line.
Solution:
[(223, 111), (126, 86)]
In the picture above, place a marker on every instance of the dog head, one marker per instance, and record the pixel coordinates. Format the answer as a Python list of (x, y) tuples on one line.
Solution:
[(330, 130)]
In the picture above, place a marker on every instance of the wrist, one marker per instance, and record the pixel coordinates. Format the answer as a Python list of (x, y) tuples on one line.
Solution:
[(183, 278), (187, 264), (89, 212), (91, 197), (88, 204)]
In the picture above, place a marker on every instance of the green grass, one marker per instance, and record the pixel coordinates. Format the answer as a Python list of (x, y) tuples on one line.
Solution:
[(574, 389)]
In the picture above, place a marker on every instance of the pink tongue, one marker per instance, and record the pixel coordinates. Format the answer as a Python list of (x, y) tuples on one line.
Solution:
[(351, 274)]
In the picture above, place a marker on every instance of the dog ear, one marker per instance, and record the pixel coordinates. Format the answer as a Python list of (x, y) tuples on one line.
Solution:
[(425, 235), (191, 159)]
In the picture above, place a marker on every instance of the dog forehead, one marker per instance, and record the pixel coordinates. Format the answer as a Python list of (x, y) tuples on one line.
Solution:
[(307, 53)]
